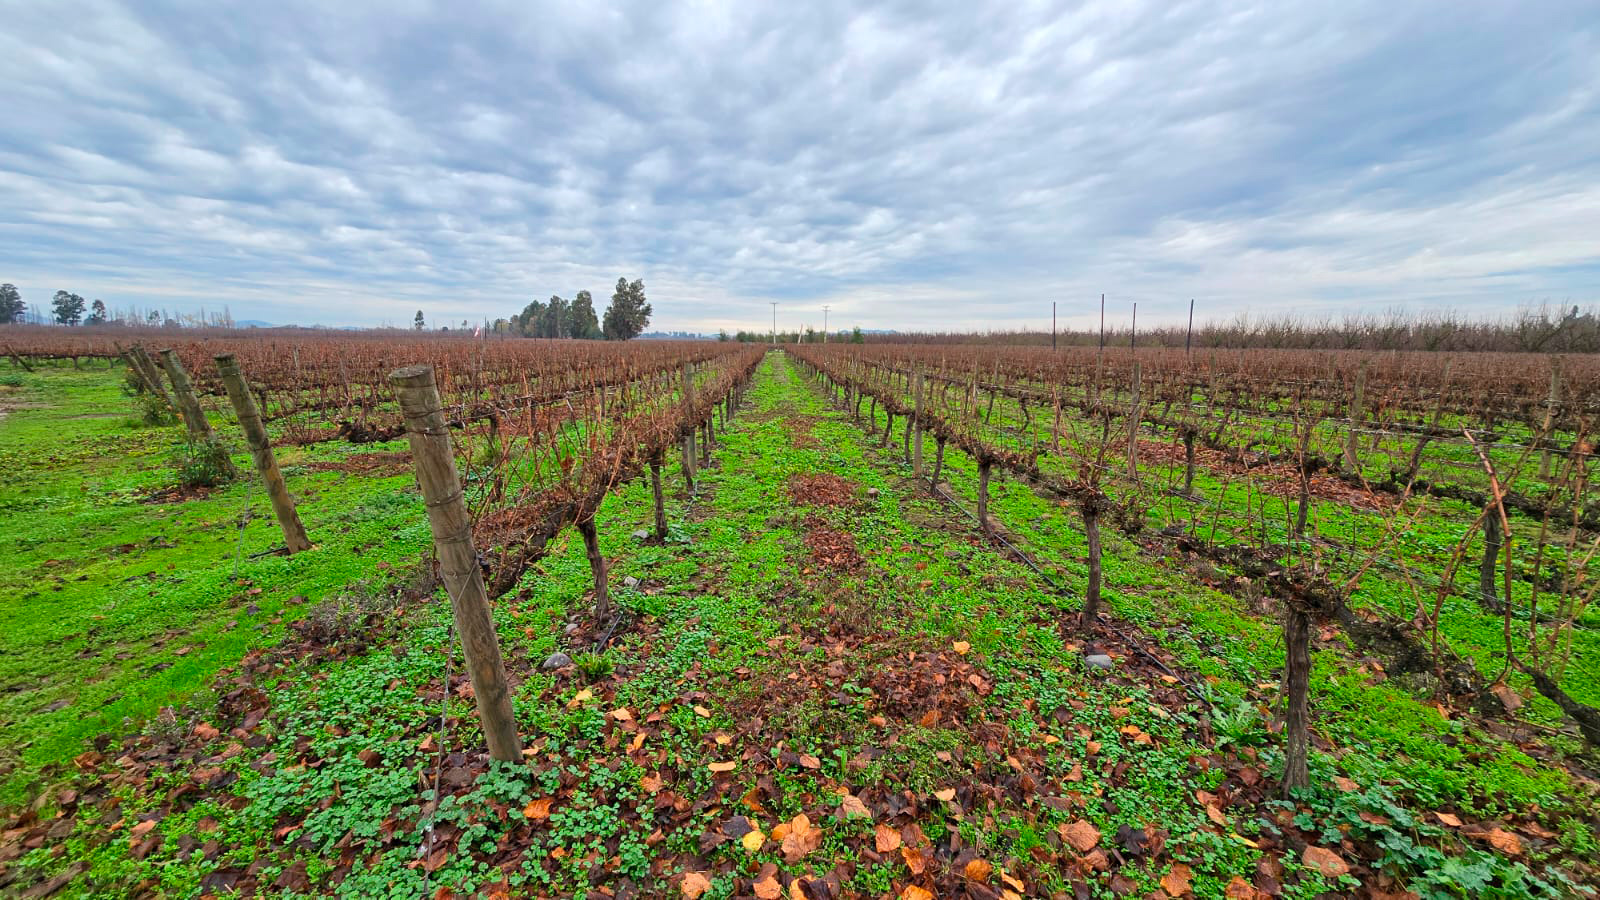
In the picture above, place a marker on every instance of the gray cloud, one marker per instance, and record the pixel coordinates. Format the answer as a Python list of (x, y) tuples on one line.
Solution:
[(910, 165)]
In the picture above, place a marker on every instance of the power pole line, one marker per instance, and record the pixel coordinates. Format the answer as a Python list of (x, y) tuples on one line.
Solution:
[(825, 309), (1052, 325), (774, 322)]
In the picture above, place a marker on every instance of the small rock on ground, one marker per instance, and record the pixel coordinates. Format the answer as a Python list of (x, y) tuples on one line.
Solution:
[(1099, 661), (557, 661)]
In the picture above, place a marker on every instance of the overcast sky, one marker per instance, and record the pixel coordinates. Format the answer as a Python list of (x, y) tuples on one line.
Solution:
[(939, 166)]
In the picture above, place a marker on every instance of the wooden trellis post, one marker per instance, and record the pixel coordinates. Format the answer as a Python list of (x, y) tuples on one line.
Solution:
[(194, 418), (255, 435), (458, 560), (152, 376)]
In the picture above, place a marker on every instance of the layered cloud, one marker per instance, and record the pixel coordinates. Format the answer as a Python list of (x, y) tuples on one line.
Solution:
[(912, 166)]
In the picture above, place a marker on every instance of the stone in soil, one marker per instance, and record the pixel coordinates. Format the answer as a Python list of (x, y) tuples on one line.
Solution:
[(556, 660)]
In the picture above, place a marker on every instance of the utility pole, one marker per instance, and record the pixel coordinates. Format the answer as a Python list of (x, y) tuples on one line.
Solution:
[(825, 309), (1052, 325), (774, 322), (1133, 334)]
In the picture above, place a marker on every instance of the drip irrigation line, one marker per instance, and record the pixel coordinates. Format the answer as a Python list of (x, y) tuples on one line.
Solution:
[(244, 519)]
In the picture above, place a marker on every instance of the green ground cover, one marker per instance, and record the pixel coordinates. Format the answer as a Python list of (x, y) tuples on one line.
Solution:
[(780, 654)]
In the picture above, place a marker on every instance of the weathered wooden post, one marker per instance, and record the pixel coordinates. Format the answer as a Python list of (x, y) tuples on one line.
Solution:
[(255, 435), (458, 561), (655, 488), (152, 376), (194, 418), (916, 433)]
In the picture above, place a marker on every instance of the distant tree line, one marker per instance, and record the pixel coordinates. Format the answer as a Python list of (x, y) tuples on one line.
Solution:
[(1541, 329), (624, 319), (808, 336), (68, 308)]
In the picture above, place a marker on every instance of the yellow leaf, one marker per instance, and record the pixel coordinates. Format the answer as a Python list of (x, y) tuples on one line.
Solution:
[(752, 840), (580, 698), (702, 712), (723, 766), (947, 794), (621, 715), (962, 647)]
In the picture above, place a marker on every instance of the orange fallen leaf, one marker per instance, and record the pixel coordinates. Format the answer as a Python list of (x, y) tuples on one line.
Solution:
[(767, 887), (885, 838), (622, 714), (1329, 863), (978, 870), (801, 839), (538, 809), (912, 892), (723, 766), (945, 794), (1176, 881), (1450, 819), (851, 805), (650, 783), (1239, 889), (1505, 841), (695, 884), (1082, 835), (961, 647)]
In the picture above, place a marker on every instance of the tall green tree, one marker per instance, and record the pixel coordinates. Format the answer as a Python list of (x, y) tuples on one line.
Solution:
[(527, 321), (97, 312), (418, 323), (585, 324), (628, 313), (68, 308), (556, 319), (11, 305)]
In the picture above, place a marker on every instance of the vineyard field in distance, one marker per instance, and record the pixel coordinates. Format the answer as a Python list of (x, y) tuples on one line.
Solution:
[(286, 617)]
